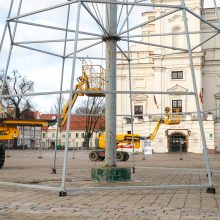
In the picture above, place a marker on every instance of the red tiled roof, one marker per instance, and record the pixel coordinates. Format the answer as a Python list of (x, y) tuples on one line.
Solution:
[(79, 123), (76, 122), (48, 116)]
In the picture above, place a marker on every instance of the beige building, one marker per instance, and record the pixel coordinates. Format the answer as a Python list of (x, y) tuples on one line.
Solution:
[(76, 136), (171, 73)]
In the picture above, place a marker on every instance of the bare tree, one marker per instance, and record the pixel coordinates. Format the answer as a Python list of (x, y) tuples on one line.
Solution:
[(17, 106), (16, 84), (58, 105), (92, 108)]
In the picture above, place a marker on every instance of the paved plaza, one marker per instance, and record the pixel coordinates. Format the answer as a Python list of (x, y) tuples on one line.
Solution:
[(25, 167)]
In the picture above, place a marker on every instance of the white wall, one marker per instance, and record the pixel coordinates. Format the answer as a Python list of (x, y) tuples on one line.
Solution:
[(154, 74)]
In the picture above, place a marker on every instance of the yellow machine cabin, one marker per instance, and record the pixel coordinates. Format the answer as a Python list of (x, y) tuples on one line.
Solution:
[(122, 141)]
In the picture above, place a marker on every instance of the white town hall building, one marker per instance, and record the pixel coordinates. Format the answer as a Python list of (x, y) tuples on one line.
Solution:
[(170, 73)]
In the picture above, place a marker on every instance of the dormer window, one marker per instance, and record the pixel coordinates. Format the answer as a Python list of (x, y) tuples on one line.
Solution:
[(177, 75)]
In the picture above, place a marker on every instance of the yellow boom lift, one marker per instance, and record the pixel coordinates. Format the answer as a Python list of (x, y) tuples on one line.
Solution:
[(90, 80), (171, 119), (124, 141)]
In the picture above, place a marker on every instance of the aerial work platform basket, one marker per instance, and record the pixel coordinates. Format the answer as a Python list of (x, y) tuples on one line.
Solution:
[(95, 75)]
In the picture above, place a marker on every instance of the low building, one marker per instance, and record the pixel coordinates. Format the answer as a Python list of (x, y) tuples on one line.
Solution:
[(30, 136), (76, 135)]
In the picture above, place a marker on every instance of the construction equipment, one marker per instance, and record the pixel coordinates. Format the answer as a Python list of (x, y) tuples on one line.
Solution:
[(171, 119), (124, 141), (91, 83), (10, 131)]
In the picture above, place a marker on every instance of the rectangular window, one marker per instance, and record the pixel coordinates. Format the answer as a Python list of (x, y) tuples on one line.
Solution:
[(77, 135), (44, 135), (177, 74), (53, 135), (82, 135), (176, 105), (69, 135), (138, 110), (63, 135)]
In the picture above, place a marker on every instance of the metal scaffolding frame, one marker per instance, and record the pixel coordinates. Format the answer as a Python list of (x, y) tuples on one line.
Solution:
[(111, 37)]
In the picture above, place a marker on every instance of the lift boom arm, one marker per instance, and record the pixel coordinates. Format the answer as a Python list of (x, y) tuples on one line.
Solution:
[(81, 85), (154, 133), (169, 120)]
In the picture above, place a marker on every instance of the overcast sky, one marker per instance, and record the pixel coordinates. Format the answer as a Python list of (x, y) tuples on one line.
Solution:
[(43, 69)]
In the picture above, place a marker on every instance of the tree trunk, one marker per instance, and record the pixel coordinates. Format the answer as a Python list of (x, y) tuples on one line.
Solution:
[(86, 143)]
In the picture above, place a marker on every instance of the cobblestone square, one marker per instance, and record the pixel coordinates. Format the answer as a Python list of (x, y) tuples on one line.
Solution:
[(158, 169)]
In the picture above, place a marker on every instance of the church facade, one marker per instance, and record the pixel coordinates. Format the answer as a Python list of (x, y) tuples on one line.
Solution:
[(159, 69)]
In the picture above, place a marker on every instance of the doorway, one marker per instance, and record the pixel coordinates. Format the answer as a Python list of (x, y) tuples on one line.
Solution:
[(177, 142)]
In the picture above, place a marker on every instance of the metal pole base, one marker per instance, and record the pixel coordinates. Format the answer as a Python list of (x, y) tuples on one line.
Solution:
[(53, 171), (133, 170), (210, 190), (62, 193), (111, 174)]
